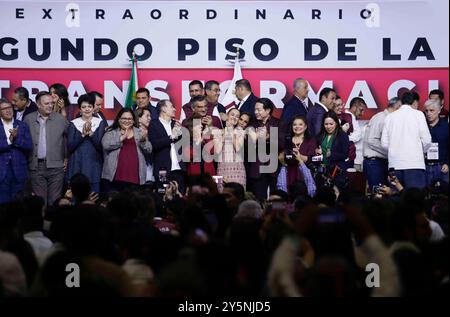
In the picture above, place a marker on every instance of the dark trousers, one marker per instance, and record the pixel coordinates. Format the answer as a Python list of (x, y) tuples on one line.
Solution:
[(117, 186), (412, 178), (10, 186), (375, 170), (258, 186), (47, 182)]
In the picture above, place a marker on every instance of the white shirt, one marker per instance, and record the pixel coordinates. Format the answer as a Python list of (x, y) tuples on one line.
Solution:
[(372, 137), (79, 123), (8, 126), (173, 153), (356, 138), (406, 137)]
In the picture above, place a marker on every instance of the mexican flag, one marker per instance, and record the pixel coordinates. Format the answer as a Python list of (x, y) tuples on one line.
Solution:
[(133, 85)]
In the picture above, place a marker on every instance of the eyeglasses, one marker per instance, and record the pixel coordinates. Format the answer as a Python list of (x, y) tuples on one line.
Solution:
[(6, 108), (214, 90)]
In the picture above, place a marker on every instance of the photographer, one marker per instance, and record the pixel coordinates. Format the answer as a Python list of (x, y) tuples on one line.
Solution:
[(334, 148), (299, 147)]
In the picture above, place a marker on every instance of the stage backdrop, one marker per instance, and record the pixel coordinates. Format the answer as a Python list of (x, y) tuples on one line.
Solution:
[(370, 49)]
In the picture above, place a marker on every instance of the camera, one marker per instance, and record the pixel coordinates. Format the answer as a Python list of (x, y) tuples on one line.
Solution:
[(377, 189), (288, 145)]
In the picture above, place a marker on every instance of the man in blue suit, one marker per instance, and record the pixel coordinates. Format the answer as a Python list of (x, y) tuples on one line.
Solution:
[(299, 104), (15, 146), (22, 103), (247, 99), (163, 133), (316, 113)]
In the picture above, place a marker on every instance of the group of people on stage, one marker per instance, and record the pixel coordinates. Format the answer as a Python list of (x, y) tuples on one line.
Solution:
[(49, 141)]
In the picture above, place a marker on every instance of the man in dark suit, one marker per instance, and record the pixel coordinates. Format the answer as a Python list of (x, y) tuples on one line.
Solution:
[(164, 132), (247, 99), (316, 113), (259, 180), (299, 104), (143, 101), (22, 103), (15, 146)]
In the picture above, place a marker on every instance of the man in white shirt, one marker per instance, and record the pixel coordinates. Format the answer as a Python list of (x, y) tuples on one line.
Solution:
[(356, 111), (164, 131), (375, 156), (406, 138)]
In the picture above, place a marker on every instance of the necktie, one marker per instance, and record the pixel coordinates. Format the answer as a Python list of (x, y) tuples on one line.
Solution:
[(305, 105)]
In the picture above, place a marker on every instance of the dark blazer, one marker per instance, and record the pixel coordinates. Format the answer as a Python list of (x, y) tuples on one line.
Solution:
[(31, 108), (161, 144), (339, 149), (315, 117), (249, 105), (17, 152), (294, 107)]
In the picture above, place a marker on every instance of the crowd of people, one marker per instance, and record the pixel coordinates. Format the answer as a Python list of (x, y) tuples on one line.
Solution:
[(226, 201)]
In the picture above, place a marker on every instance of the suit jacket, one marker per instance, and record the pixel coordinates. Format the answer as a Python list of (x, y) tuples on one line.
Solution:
[(17, 152), (294, 107), (111, 148), (56, 133), (339, 150), (161, 143), (30, 109), (315, 117), (249, 105)]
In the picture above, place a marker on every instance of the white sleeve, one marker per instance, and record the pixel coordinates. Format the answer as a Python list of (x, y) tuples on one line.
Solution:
[(424, 133), (356, 135), (385, 134)]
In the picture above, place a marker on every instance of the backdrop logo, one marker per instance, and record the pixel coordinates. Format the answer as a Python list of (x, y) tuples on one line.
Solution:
[(73, 16)]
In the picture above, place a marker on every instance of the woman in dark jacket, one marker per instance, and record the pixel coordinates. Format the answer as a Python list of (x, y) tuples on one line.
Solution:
[(334, 146), (84, 142)]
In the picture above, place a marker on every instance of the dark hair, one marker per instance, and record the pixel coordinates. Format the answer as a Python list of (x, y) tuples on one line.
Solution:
[(409, 97), (245, 113), (438, 92), (96, 94), (332, 115), (393, 101), (356, 101), (307, 134), (160, 104), (89, 98), (4, 100), (141, 90), (41, 94), (196, 82), (337, 97), (211, 83), (244, 83), (80, 186), (196, 99), (267, 104), (22, 92), (62, 93), (238, 190), (116, 125), (325, 92)]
